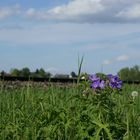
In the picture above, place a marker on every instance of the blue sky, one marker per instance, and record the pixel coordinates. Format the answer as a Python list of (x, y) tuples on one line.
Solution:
[(52, 33)]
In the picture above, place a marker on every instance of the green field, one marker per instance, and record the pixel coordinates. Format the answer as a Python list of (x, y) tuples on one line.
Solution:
[(56, 113)]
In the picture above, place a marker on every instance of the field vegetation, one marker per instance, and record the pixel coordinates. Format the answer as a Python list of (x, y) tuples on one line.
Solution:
[(56, 113)]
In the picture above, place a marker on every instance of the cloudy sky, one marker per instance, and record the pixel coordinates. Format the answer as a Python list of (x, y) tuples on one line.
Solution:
[(53, 33)]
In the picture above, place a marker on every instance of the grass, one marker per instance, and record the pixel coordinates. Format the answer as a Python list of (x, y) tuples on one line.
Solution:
[(34, 113)]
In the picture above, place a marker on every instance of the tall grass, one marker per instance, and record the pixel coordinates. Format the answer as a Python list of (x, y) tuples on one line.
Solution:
[(33, 113)]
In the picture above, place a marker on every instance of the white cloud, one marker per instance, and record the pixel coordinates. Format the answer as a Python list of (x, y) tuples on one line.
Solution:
[(81, 11), (78, 8), (132, 12), (107, 62), (9, 11), (92, 11), (75, 11), (118, 59), (122, 58), (52, 69)]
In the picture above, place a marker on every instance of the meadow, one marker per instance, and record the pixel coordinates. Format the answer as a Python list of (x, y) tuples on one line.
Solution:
[(57, 113)]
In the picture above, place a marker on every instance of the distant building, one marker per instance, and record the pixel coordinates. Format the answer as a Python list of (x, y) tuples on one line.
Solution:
[(61, 76)]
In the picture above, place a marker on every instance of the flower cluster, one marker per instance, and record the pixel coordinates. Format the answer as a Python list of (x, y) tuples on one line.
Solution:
[(111, 81), (114, 81), (97, 83)]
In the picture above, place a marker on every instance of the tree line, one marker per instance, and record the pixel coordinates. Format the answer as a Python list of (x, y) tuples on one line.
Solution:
[(130, 74), (126, 74), (38, 73), (25, 72)]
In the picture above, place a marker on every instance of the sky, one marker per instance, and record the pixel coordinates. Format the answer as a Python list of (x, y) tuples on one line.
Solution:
[(52, 34)]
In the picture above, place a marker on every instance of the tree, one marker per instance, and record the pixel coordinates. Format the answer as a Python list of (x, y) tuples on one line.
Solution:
[(48, 74), (136, 70), (124, 74), (42, 73), (39, 73), (25, 72), (130, 74), (73, 74), (15, 72)]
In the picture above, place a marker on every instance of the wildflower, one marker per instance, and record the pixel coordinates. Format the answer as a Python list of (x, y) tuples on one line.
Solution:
[(97, 83), (114, 81), (93, 78), (134, 94), (102, 84)]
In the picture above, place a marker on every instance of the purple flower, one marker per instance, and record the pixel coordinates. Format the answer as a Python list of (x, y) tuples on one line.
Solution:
[(93, 78), (102, 84), (97, 83), (114, 81)]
